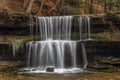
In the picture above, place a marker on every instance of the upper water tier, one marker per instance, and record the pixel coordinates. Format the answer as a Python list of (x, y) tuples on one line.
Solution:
[(61, 28)]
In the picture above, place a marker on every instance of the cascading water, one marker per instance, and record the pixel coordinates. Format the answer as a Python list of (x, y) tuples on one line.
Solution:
[(56, 48)]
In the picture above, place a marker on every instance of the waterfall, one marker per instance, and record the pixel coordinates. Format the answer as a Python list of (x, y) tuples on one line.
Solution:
[(84, 27), (84, 56), (56, 47)]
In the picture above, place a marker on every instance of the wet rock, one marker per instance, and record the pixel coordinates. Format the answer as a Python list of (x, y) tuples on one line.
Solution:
[(99, 67), (50, 68), (3, 63)]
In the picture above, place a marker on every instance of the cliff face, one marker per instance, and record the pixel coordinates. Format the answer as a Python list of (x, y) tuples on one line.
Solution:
[(13, 14)]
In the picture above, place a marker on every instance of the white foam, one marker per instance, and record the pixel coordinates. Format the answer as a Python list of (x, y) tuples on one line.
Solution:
[(56, 70)]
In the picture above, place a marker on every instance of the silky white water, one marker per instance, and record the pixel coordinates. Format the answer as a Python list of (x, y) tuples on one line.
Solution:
[(56, 47)]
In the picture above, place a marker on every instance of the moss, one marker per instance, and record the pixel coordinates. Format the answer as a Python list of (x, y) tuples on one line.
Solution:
[(21, 40), (98, 36), (103, 35)]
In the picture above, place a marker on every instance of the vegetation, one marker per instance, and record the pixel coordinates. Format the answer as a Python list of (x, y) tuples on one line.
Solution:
[(88, 6), (58, 7)]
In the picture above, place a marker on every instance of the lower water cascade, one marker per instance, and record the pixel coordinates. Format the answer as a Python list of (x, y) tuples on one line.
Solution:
[(56, 51)]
